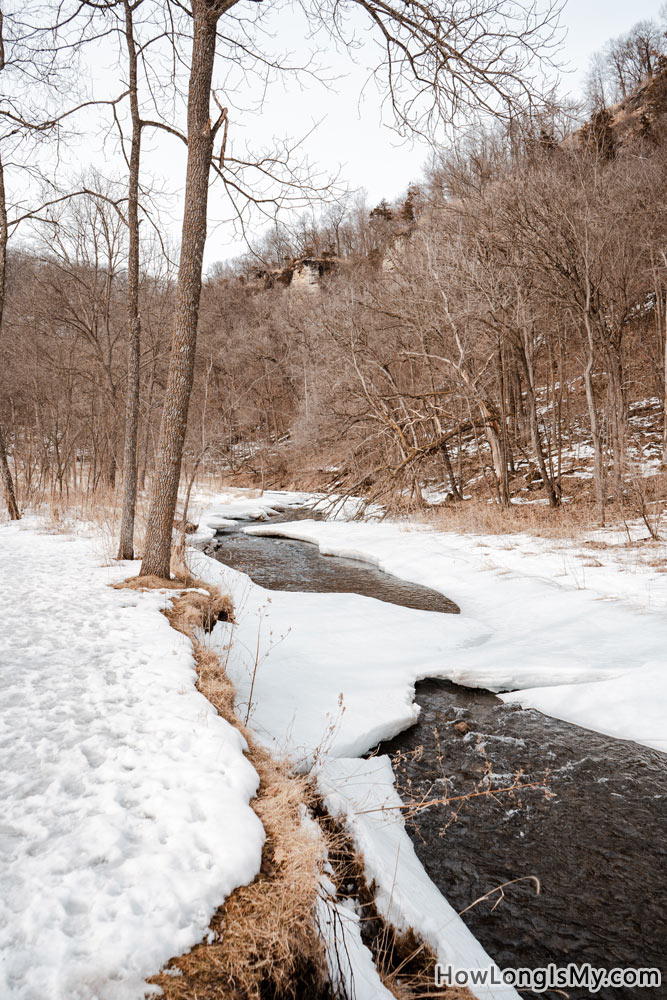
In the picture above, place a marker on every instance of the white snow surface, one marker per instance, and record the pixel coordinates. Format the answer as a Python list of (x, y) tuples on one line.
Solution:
[(214, 510), (350, 962), (126, 818), (361, 793), (566, 628), (326, 673)]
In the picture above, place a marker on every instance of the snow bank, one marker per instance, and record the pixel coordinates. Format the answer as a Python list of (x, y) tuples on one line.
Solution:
[(630, 707), (125, 796), (220, 510), (350, 962), (361, 793), (327, 673), (535, 620)]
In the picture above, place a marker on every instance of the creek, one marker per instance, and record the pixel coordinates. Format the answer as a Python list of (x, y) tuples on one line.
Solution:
[(590, 826)]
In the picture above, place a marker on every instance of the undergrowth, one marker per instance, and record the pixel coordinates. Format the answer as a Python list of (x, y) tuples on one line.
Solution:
[(263, 943)]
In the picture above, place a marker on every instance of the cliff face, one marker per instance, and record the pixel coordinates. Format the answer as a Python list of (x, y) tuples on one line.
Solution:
[(640, 116), (303, 274)]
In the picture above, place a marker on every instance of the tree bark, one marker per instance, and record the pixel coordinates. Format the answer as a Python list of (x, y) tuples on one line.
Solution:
[(126, 541), (12, 506), (598, 468), (10, 493), (664, 392), (527, 365), (157, 548)]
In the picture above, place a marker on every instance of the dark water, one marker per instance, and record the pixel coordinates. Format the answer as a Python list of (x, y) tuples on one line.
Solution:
[(597, 841), (594, 831), (285, 564)]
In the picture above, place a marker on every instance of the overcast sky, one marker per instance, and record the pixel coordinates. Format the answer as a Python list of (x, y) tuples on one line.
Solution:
[(370, 156), (350, 135)]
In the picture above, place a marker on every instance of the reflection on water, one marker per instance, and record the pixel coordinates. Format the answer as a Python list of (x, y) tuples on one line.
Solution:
[(286, 564)]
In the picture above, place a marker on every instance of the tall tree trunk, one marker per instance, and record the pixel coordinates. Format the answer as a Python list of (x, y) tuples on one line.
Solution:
[(527, 365), (148, 430), (664, 391), (126, 542), (598, 469), (12, 506), (493, 432), (447, 462), (157, 548), (10, 494)]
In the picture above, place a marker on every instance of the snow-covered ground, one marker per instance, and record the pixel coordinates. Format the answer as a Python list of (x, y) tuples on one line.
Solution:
[(568, 628), (125, 818)]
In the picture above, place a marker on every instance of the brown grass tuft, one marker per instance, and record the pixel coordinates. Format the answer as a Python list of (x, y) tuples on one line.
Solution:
[(264, 940), (192, 609), (150, 583), (199, 605)]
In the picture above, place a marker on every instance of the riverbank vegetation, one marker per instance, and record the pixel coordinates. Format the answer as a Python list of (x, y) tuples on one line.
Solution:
[(486, 353), (494, 338)]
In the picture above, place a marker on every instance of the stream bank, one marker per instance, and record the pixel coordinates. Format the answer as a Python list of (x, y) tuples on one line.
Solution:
[(595, 843)]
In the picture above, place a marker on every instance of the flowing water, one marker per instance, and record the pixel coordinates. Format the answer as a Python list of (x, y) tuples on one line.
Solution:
[(285, 564), (591, 829), (594, 834)]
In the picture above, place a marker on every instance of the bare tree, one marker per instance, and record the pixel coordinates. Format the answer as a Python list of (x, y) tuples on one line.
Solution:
[(10, 494), (482, 60), (126, 540), (201, 136)]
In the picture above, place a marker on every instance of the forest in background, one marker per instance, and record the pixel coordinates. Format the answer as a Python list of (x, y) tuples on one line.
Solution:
[(498, 334)]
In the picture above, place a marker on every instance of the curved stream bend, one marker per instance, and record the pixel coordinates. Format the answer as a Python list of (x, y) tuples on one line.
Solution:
[(597, 843)]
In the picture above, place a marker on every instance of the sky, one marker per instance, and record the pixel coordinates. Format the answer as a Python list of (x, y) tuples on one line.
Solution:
[(370, 155), (342, 117)]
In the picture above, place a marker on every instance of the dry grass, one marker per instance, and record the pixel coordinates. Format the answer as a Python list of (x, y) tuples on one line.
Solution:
[(479, 517), (151, 583), (200, 605), (264, 940), (193, 609), (405, 965)]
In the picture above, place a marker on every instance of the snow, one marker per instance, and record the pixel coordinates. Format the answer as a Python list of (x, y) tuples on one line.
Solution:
[(126, 818), (554, 621), (335, 672), (349, 961), (221, 510), (632, 707), (534, 615), (215, 510), (361, 793)]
